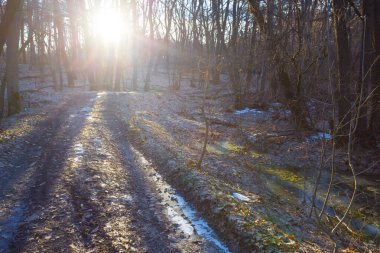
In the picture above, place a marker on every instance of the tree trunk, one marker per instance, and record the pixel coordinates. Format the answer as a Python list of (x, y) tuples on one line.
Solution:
[(71, 72), (151, 37), (134, 44), (375, 119), (7, 19), (368, 126), (342, 89), (2, 100), (11, 71), (234, 67)]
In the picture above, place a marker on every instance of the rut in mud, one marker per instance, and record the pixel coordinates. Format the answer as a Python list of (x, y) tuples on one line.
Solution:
[(78, 186)]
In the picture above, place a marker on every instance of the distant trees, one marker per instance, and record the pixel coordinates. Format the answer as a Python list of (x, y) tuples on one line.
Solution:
[(299, 52)]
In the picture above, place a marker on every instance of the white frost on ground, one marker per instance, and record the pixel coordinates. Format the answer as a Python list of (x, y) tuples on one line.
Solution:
[(247, 110), (240, 196)]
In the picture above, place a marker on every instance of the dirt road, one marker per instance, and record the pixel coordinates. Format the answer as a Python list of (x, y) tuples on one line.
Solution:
[(75, 184)]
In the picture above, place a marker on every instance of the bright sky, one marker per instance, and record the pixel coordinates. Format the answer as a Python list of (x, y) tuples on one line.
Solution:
[(109, 24)]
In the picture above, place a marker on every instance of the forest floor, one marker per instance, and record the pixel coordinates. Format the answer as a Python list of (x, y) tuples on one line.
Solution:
[(116, 172)]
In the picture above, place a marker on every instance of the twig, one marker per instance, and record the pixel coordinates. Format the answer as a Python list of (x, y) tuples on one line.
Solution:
[(204, 150), (321, 161), (353, 126), (331, 177)]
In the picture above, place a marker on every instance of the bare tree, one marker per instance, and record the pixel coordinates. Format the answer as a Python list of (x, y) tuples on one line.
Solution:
[(11, 72)]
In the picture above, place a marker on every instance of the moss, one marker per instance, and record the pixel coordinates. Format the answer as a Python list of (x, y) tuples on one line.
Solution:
[(135, 129), (284, 174), (232, 147), (212, 149), (372, 190), (252, 153)]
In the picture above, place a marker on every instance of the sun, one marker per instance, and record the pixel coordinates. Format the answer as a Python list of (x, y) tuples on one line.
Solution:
[(109, 25)]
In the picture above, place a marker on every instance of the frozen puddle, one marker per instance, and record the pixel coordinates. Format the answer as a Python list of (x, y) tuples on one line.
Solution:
[(247, 110), (178, 211), (85, 109), (320, 136), (78, 149), (240, 197)]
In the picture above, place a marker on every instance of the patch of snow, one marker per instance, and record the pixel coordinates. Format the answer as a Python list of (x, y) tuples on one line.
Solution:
[(27, 109), (124, 198), (97, 142), (100, 94), (240, 196), (178, 210), (143, 161), (200, 225), (277, 105), (78, 149), (85, 109), (127, 198), (319, 136), (183, 224), (247, 110)]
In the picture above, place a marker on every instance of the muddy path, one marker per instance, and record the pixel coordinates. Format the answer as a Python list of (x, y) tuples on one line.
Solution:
[(77, 185)]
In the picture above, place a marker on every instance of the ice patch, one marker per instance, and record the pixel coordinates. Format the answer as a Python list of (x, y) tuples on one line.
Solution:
[(200, 225), (178, 210), (85, 109), (97, 142), (78, 149), (100, 94), (143, 161), (124, 198), (319, 136), (247, 110), (183, 224), (277, 105), (127, 198), (240, 196)]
